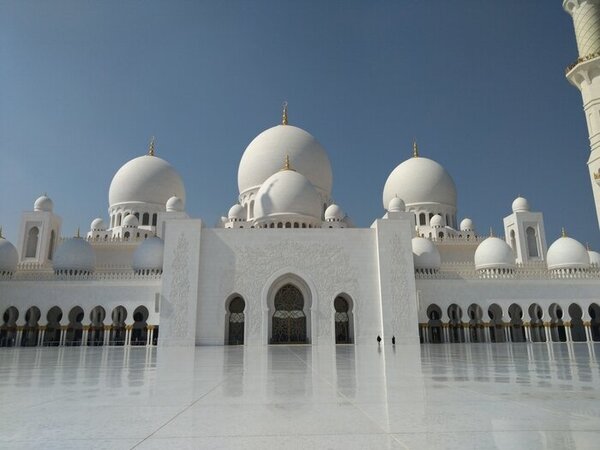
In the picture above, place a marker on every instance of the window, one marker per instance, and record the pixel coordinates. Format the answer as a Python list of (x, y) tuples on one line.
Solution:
[(32, 242), (532, 247), (146, 219), (422, 219)]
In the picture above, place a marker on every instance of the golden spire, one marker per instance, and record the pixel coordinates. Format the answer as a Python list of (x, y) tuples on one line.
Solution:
[(284, 117), (151, 147), (286, 164), (563, 233), (415, 149)]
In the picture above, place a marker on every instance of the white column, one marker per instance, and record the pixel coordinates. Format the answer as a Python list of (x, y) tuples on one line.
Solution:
[(568, 332), (41, 332), (84, 337), (527, 327), (18, 338), (588, 331), (127, 336), (106, 339)]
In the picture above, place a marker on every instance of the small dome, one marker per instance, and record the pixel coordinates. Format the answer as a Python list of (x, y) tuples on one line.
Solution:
[(437, 221), (175, 204), (146, 179), (494, 253), (396, 205), (287, 192), (520, 204), (567, 253), (264, 155), (420, 181), (334, 213), (75, 254), (467, 225), (425, 254), (98, 225), (43, 203), (9, 257), (594, 258), (130, 221), (149, 255), (237, 212)]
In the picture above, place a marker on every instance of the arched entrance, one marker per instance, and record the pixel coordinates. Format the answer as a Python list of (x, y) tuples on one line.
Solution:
[(517, 332), (52, 334), (435, 327), (96, 332), (8, 330), (289, 320), (342, 321), (118, 330), (235, 321), (31, 330), (139, 331), (75, 328)]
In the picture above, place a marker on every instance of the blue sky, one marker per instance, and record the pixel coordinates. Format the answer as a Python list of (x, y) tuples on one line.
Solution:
[(480, 84)]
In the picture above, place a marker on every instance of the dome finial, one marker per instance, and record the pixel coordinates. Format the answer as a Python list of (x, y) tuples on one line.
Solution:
[(78, 233), (415, 149), (286, 164), (491, 232), (563, 232), (284, 117), (151, 147)]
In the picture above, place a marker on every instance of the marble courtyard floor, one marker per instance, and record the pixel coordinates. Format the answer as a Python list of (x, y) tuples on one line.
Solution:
[(514, 396)]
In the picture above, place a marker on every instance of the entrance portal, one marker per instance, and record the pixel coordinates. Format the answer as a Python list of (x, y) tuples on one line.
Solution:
[(289, 320)]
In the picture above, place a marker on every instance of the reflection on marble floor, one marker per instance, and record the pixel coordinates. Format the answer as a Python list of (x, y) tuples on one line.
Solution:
[(431, 396)]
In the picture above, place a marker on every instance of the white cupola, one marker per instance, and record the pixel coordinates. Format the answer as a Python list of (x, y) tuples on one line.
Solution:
[(567, 254), (426, 256), (494, 254), (148, 257), (74, 256), (9, 257)]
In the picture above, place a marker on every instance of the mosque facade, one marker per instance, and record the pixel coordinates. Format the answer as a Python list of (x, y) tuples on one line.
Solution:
[(286, 265)]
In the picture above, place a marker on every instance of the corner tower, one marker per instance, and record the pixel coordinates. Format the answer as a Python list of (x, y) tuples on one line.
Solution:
[(584, 74)]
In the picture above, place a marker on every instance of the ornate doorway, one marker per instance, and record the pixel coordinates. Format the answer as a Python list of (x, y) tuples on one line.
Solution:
[(289, 320), (236, 321), (342, 321)]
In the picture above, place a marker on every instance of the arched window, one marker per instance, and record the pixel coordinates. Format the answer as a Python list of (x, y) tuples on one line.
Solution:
[(51, 246), (513, 241), (32, 242), (288, 225), (154, 219), (532, 247), (146, 219), (126, 235), (119, 218), (422, 219), (279, 225)]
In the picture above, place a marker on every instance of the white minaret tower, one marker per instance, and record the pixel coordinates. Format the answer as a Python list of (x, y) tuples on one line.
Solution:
[(584, 73)]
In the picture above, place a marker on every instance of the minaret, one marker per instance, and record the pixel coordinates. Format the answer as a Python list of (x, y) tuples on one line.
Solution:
[(584, 73)]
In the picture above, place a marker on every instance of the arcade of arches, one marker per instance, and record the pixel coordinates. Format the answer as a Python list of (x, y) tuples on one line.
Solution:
[(532, 325), (67, 328)]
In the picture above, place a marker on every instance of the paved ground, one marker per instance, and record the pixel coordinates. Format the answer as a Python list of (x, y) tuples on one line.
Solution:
[(514, 396)]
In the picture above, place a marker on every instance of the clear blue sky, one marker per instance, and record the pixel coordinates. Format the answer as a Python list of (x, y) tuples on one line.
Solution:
[(480, 84)]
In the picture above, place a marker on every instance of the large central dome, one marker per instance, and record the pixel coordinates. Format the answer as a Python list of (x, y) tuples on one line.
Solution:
[(264, 155), (420, 181), (146, 179)]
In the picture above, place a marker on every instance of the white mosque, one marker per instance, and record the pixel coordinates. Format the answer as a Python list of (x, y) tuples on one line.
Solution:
[(287, 265)]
